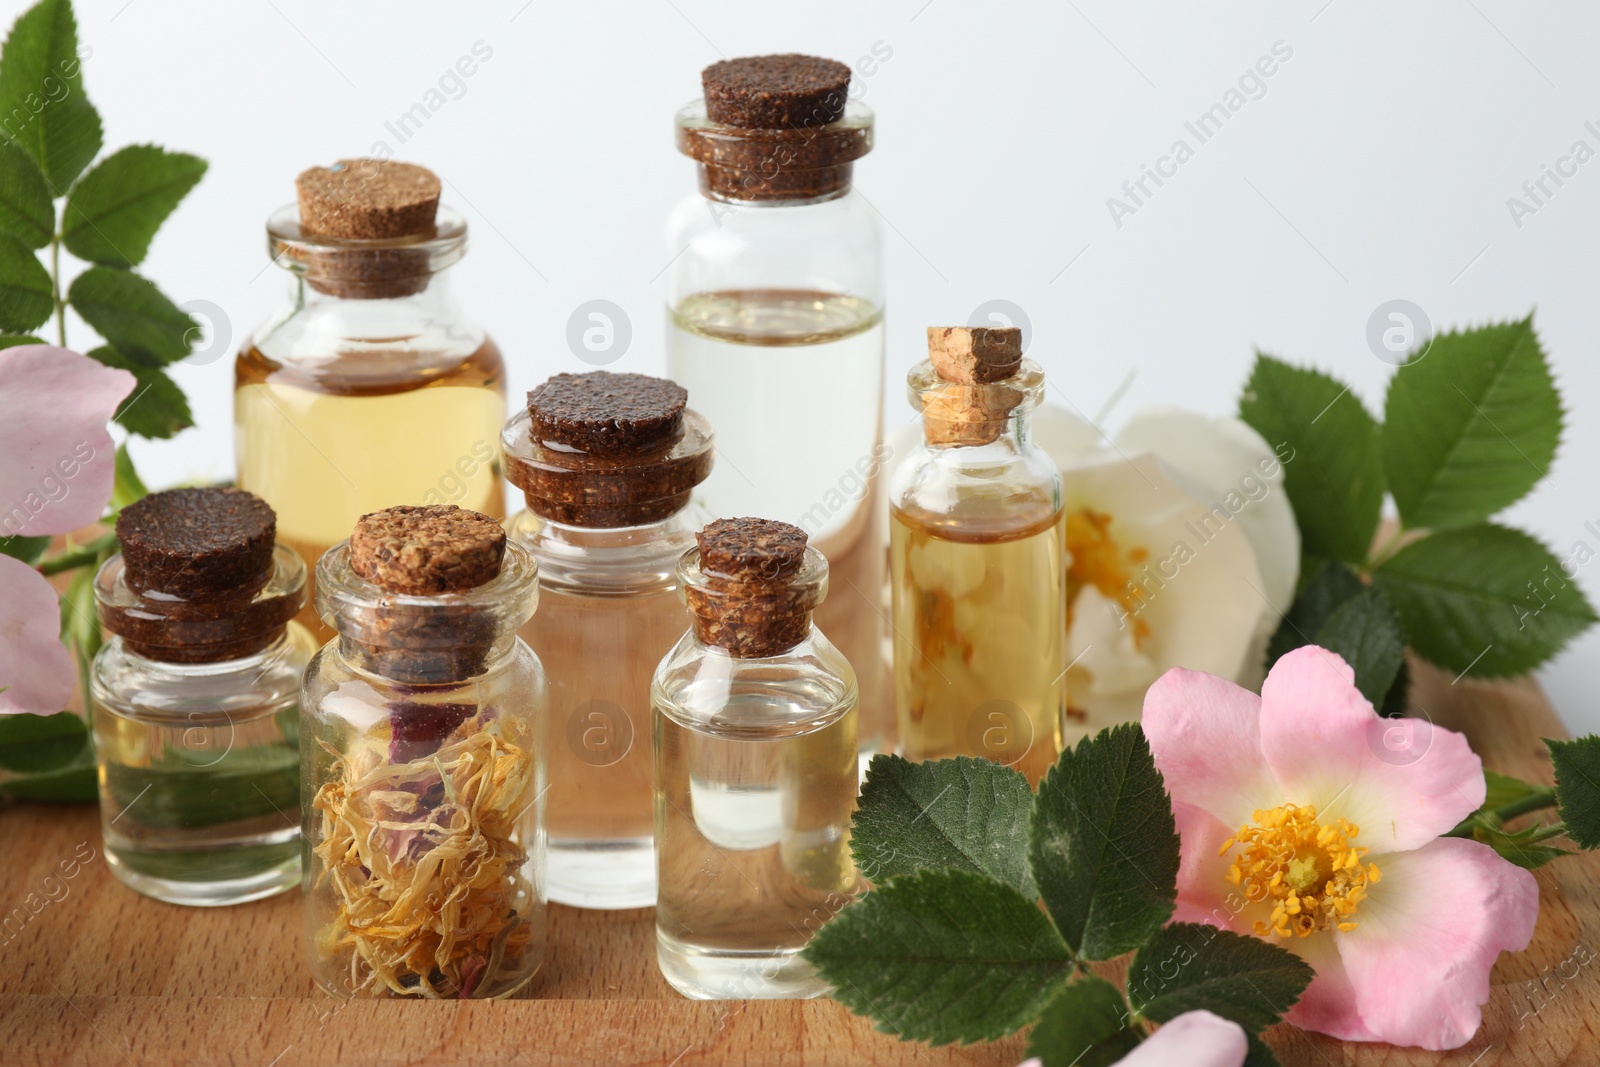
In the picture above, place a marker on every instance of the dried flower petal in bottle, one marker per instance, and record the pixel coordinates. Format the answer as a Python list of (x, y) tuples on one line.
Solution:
[(976, 561), (755, 745), (422, 774), (607, 462), (194, 699)]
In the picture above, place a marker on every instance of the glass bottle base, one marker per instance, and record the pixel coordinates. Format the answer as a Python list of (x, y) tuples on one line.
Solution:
[(606, 875), (701, 973), (209, 879)]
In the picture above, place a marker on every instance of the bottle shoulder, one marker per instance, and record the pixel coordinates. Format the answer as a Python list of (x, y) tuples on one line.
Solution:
[(1002, 485), (807, 688), (236, 690)]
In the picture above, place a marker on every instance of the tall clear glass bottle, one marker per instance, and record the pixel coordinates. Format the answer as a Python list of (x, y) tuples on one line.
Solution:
[(755, 751), (607, 522), (774, 297), (422, 769), (369, 386), (976, 569), (194, 700)]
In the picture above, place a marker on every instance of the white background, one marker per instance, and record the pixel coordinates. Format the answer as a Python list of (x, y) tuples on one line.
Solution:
[(1377, 165)]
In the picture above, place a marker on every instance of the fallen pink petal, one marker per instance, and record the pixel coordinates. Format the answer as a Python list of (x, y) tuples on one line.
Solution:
[(59, 458), (36, 673)]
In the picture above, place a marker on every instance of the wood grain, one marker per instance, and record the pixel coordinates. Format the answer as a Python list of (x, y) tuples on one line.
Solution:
[(101, 975)]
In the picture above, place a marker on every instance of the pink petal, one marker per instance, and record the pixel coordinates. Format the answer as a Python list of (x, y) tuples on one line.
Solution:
[(1193, 1039), (1204, 893), (1403, 782), (1328, 1005), (58, 469), (36, 672), (1203, 733), (1429, 933)]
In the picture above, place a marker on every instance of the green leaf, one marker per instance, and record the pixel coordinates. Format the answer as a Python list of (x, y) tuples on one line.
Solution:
[(132, 315), (75, 783), (1259, 1054), (33, 743), (26, 212), (1578, 786), (156, 408), (1486, 600), (127, 487), (1329, 586), (1523, 847), (1190, 966), (12, 340), (964, 813), (25, 293), (941, 956), (1084, 1026), (28, 549), (1470, 427), (1503, 789), (78, 619), (43, 108), (1103, 844), (1365, 630), (1334, 473), (116, 208), (194, 789)]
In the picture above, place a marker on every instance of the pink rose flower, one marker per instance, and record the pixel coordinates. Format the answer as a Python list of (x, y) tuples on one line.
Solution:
[(1303, 823), (57, 464)]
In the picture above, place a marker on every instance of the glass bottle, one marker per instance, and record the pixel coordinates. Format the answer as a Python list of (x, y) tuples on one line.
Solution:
[(755, 750), (194, 705), (774, 296), (422, 778), (976, 568), (369, 386), (607, 523)]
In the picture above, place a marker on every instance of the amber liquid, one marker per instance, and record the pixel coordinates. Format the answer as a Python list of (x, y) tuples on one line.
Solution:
[(979, 621), (326, 444)]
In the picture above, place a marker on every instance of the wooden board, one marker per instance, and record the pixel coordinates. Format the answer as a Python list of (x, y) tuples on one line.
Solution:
[(102, 975)]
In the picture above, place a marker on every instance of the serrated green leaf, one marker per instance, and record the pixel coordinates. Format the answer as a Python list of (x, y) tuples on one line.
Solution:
[(31, 744), (75, 783), (26, 212), (43, 108), (1578, 785), (1483, 599), (1103, 844), (1259, 1054), (133, 316), (1525, 847), (964, 813), (12, 340), (1503, 789), (115, 209), (1470, 427), (1086, 1025), (27, 549), (942, 956), (1334, 475), (1189, 966), (1329, 586), (25, 294), (1365, 630), (156, 408)]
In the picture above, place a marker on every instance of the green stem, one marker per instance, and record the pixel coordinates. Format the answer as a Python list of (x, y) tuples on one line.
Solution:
[(80, 556), (55, 290), (1542, 797)]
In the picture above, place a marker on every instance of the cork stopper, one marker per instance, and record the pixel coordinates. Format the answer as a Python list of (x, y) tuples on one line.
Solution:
[(426, 551), (776, 92), (609, 415), (753, 586), (777, 127), (970, 402), (603, 450), (200, 578), (368, 200), (197, 543)]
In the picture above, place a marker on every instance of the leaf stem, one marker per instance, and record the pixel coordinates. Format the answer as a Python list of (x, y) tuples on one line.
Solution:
[(55, 288), (77, 557), (1542, 797)]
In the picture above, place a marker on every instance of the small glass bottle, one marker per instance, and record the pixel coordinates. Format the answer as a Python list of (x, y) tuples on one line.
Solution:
[(422, 770), (755, 748), (194, 700), (369, 387), (976, 567), (607, 462), (775, 296)]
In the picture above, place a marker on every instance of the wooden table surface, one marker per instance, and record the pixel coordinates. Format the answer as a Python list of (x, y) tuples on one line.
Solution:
[(101, 975)]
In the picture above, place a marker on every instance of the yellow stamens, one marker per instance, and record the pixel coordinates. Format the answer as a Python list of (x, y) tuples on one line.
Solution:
[(1099, 561), (1309, 872)]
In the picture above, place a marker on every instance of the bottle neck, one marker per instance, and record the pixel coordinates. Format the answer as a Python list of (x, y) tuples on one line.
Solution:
[(1011, 432)]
